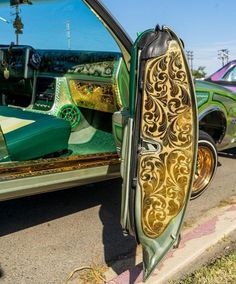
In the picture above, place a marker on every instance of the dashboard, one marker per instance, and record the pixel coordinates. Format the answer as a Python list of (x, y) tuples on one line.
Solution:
[(18, 62), (17, 68), (55, 82), (45, 90)]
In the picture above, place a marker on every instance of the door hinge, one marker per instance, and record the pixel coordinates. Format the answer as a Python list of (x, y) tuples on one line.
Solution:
[(149, 147), (134, 182)]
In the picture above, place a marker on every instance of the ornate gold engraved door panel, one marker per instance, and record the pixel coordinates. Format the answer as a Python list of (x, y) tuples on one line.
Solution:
[(164, 139)]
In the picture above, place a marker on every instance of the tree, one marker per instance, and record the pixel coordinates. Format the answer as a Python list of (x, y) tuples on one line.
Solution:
[(199, 73)]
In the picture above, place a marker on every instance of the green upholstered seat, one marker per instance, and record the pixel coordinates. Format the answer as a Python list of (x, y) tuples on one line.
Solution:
[(30, 135)]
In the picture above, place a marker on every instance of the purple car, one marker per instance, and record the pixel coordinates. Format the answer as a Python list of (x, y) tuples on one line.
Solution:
[(225, 76)]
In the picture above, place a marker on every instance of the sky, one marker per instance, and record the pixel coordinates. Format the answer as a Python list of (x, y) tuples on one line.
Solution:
[(205, 26), (45, 25)]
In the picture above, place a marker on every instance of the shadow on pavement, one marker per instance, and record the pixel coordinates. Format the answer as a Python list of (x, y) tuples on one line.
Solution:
[(1, 273), (19, 214), (119, 250), (229, 153), (27, 212)]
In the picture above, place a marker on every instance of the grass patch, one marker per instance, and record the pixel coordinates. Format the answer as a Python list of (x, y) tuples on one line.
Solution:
[(87, 275), (94, 276), (221, 271)]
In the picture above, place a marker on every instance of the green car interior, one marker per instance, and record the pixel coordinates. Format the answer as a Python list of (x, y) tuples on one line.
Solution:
[(31, 135), (60, 102)]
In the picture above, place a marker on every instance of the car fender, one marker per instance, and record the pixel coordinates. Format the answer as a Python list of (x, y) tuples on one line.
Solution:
[(215, 109)]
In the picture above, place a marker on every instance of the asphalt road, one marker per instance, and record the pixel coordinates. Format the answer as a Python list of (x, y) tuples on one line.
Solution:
[(45, 237)]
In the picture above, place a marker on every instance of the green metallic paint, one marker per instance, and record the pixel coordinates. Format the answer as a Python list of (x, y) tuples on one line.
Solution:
[(62, 97), (219, 100), (202, 98), (119, 132), (70, 113), (123, 85), (119, 120)]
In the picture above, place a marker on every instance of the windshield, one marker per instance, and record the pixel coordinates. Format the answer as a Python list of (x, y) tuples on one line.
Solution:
[(230, 75), (63, 24)]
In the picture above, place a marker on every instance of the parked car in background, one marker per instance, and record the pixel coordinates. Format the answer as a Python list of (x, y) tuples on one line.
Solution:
[(217, 125), (225, 76)]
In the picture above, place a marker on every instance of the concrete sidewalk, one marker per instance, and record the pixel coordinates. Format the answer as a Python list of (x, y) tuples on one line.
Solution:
[(198, 243)]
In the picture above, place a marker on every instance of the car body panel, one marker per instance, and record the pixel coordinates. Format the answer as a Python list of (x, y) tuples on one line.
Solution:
[(36, 183), (161, 136), (216, 99)]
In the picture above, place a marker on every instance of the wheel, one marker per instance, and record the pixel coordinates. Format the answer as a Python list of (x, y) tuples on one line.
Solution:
[(207, 159)]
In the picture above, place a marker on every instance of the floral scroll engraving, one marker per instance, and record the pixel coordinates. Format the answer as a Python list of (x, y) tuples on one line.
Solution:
[(167, 119), (93, 96)]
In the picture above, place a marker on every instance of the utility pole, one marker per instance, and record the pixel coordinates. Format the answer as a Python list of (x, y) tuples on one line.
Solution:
[(68, 35), (223, 55), (189, 54)]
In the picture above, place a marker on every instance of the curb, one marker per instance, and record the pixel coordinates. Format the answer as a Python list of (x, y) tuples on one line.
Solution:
[(203, 236)]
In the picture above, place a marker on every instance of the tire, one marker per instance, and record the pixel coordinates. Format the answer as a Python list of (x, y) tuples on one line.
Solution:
[(207, 160)]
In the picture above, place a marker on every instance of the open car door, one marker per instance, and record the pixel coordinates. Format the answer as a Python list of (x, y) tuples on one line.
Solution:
[(159, 147)]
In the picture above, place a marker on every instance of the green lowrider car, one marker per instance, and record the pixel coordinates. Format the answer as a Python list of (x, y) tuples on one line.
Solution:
[(80, 103), (217, 124)]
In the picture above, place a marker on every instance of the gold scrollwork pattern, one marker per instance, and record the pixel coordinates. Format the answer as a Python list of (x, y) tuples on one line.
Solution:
[(167, 118), (93, 96)]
